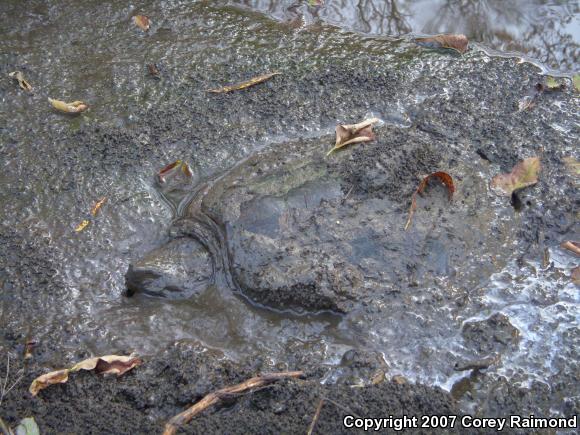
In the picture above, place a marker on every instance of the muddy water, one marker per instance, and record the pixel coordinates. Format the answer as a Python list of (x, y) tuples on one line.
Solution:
[(547, 31), (92, 51)]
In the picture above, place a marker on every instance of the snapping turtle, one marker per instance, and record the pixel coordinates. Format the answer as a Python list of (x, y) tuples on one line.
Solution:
[(293, 229)]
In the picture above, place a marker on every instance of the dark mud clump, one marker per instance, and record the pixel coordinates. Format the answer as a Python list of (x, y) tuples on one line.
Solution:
[(493, 334)]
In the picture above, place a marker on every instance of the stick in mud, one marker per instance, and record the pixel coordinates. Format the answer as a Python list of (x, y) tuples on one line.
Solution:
[(478, 364), (315, 418), (226, 392)]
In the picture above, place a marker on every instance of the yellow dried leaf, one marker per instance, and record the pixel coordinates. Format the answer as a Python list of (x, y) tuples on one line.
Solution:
[(56, 377), (524, 174), (572, 165), (98, 205), (17, 75), (81, 226), (74, 107), (244, 85), (142, 22), (186, 170)]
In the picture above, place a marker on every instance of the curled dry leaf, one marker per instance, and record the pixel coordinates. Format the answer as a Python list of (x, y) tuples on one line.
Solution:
[(354, 133), (575, 275), (98, 205), (142, 22), (239, 86), (108, 364), (154, 71), (524, 174), (17, 75), (456, 42), (571, 246), (28, 348), (444, 177), (74, 107), (82, 226), (171, 170), (56, 377)]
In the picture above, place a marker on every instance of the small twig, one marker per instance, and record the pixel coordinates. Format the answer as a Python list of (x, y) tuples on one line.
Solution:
[(479, 364), (5, 380), (215, 397), (4, 391), (347, 195), (338, 405), (4, 429), (315, 419)]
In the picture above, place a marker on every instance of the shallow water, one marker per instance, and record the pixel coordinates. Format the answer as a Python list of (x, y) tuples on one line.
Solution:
[(92, 51), (547, 31)]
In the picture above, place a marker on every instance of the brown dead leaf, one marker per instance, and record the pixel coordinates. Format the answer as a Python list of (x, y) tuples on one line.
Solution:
[(575, 275), (455, 42), (239, 86), (572, 165), (154, 71), (444, 177), (171, 171), (354, 133), (74, 107), (28, 348), (17, 75), (142, 22), (98, 205), (399, 379), (56, 377), (571, 246), (167, 169), (82, 226), (524, 174), (108, 364)]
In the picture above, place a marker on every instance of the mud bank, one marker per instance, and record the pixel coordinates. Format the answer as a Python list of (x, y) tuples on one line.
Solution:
[(142, 402)]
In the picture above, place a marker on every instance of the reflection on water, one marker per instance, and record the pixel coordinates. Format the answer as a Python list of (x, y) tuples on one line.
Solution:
[(548, 31)]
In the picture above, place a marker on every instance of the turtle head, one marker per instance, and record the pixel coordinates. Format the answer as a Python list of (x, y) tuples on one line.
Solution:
[(179, 269)]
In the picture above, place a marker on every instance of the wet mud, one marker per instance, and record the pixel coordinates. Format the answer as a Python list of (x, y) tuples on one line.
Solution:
[(304, 263)]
